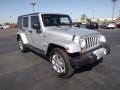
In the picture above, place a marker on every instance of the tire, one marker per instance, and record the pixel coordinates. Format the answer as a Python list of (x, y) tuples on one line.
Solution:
[(22, 47), (100, 60), (60, 63)]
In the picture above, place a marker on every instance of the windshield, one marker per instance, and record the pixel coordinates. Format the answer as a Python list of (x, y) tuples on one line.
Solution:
[(56, 20)]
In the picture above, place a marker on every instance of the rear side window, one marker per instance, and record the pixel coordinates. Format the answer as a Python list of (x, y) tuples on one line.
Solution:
[(19, 23), (25, 22), (34, 20)]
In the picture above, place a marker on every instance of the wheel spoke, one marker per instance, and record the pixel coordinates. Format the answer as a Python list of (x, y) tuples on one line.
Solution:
[(61, 69), (20, 45), (55, 67)]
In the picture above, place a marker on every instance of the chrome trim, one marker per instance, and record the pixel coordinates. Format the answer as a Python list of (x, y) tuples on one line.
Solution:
[(92, 41)]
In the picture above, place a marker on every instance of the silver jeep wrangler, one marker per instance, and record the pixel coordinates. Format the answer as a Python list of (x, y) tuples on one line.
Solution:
[(66, 46)]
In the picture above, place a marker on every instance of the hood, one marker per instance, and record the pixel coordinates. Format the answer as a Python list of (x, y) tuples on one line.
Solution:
[(66, 31)]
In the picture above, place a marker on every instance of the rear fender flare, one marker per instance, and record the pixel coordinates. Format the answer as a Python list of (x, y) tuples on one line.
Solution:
[(24, 38)]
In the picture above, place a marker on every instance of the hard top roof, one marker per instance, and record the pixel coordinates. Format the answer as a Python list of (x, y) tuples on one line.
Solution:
[(41, 13)]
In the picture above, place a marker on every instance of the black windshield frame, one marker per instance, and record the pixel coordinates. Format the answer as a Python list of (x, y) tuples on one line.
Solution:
[(57, 17)]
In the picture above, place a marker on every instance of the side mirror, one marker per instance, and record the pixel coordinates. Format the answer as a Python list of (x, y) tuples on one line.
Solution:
[(76, 25), (36, 26)]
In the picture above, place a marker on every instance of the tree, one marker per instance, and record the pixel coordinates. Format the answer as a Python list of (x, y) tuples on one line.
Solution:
[(6, 23), (118, 19), (83, 17), (98, 20), (113, 1), (88, 20)]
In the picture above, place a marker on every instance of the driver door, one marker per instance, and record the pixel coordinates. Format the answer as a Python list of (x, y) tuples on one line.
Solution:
[(36, 35)]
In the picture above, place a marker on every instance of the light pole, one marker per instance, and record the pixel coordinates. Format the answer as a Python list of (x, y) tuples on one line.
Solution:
[(33, 4), (119, 13), (113, 9), (93, 12), (11, 19)]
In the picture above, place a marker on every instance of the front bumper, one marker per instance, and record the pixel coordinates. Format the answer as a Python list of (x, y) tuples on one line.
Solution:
[(89, 57)]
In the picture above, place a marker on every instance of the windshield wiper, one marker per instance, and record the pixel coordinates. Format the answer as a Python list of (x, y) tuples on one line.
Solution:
[(57, 25)]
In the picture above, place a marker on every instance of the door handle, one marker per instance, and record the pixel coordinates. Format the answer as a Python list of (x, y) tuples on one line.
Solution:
[(30, 31)]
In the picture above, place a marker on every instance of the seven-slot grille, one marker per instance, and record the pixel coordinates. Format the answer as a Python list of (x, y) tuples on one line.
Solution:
[(92, 41)]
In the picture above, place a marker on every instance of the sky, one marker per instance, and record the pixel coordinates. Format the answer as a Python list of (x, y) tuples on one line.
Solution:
[(11, 9)]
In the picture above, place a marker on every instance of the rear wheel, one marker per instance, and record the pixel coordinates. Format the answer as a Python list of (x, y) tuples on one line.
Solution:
[(60, 63), (22, 47)]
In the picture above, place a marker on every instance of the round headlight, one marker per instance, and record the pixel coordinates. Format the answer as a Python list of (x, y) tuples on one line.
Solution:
[(82, 42), (102, 38)]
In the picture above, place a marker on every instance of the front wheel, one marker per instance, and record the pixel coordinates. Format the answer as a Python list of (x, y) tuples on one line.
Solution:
[(60, 63)]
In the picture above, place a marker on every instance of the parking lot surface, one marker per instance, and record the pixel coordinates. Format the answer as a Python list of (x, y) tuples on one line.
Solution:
[(30, 71)]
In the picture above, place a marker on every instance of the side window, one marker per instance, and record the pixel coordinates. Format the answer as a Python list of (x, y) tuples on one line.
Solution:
[(64, 20), (25, 22), (19, 25), (34, 20)]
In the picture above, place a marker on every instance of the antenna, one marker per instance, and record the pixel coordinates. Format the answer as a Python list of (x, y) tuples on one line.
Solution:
[(33, 4)]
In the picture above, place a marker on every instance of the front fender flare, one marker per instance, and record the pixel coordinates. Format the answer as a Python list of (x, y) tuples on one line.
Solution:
[(70, 46)]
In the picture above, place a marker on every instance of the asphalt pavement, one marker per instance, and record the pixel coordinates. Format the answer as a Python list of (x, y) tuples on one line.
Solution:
[(30, 71)]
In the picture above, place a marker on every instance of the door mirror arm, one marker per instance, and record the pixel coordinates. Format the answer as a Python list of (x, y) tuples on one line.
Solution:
[(38, 30)]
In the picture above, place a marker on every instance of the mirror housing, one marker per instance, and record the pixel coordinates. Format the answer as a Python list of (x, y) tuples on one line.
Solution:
[(36, 26)]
